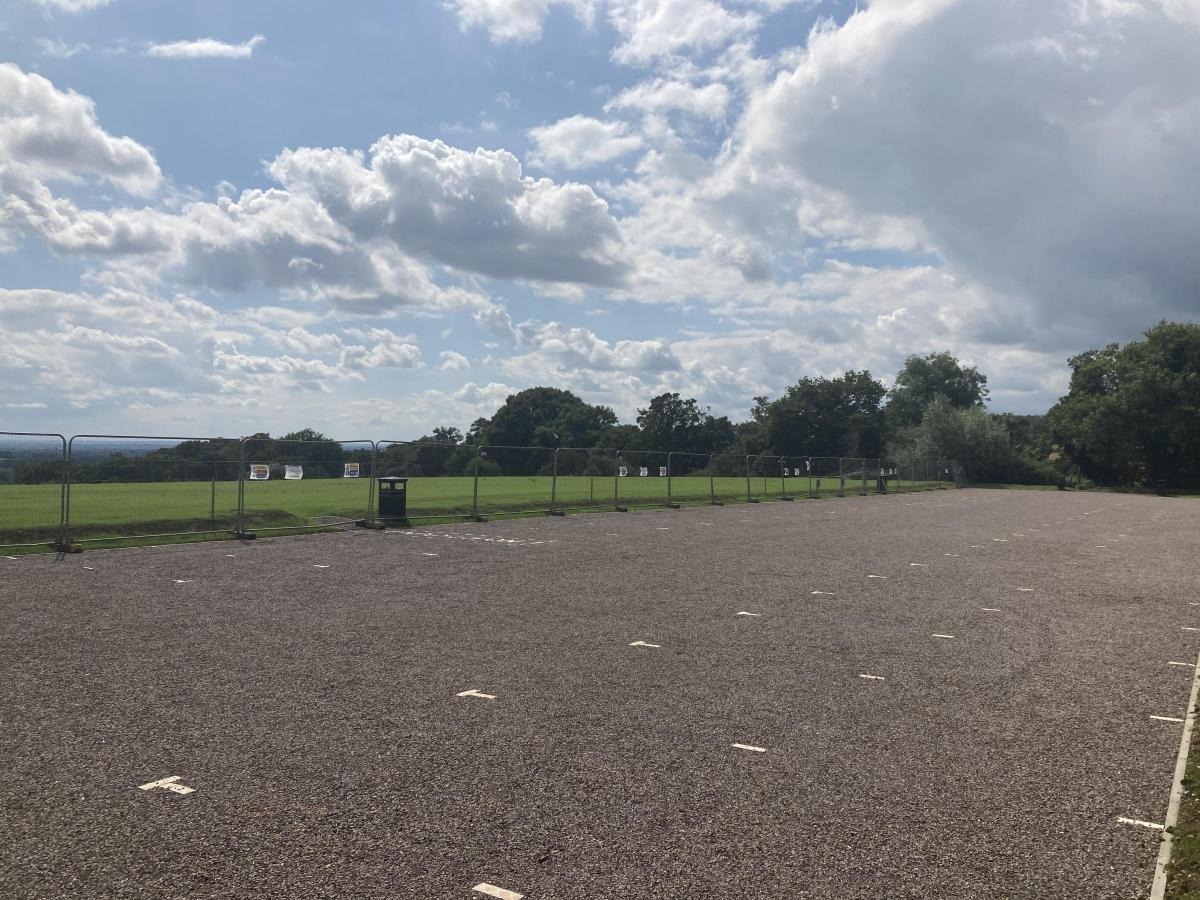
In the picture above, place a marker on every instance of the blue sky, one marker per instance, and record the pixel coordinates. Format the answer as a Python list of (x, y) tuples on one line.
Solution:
[(225, 217)]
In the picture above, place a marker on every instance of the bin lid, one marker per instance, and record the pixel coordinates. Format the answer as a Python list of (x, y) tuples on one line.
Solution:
[(393, 479)]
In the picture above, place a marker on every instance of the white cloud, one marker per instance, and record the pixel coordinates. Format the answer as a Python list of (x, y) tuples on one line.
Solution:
[(661, 96), (579, 142), (453, 362), (654, 29), (72, 6), (205, 48), (57, 49), (515, 20), (52, 135)]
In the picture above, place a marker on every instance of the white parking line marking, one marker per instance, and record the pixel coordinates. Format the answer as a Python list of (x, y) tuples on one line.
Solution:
[(989, 609), (662, 528), (955, 555), (1188, 665), (748, 747), (822, 594), (948, 636), (1025, 590), (1125, 821), (320, 567), (920, 565), (429, 554), (169, 784), (499, 893), (89, 569), (873, 677), (744, 613), (475, 693), (877, 576), (1186, 628), (1166, 719), (183, 581), (644, 644)]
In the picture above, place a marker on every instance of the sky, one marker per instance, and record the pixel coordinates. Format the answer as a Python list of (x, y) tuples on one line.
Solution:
[(380, 217)]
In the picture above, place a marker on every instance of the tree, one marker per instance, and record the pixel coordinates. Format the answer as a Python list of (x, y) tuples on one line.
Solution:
[(926, 378), (1132, 414), (826, 417), (672, 423), (547, 417)]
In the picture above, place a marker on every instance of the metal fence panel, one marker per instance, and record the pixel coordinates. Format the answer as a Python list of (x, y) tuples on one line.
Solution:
[(514, 480), (587, 478), (32, 471), (298, 484), (689, 477), (441, 476), (127, 486), (642, 478)]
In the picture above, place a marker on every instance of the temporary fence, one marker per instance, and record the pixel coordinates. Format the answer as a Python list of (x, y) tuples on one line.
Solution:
[(32, 472), (297, 484), (59, 491)]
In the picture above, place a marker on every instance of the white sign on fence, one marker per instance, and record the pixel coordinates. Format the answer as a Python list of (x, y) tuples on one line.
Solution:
[(643, 471), (622, 471), (808, 465), (259, 472), (662, 471), (351, 470), (293, 473)]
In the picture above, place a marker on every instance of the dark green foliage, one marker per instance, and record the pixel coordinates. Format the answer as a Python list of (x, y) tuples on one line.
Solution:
[(926, 378), (1132, 413), (825, 417)]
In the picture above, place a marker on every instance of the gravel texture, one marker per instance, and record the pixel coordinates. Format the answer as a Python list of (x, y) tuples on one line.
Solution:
[(314, 710)]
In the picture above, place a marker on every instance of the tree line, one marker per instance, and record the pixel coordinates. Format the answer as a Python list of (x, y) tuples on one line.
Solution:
[(1131, 417)]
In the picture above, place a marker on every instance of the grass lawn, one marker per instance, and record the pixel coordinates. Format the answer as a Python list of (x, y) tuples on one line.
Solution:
[(31, 513)]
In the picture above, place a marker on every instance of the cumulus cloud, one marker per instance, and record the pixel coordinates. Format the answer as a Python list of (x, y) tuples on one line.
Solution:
[(579, 142), (660, 96), (205, 48), (453, 362), (1047, 150), (515, 20), (52, 135)]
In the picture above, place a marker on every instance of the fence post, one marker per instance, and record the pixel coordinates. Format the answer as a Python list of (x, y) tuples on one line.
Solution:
[(939, 473), (212, 504), (617, 482), (712, 481), (864, 477), (64, 499), (749, 499), (554, 486), (475, 485), (669, 498), (241, 489), (371, 479), (841, 476)]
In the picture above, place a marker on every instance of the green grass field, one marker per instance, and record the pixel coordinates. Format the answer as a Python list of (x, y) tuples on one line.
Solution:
[(31, 513)]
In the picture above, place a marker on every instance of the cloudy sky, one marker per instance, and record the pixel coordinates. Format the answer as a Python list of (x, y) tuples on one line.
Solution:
[(377, 217)]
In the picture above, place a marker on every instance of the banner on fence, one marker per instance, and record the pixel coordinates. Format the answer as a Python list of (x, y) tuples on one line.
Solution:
[(351, 470), (643, 471), (259, 473), (662, 471), (293, 473), (808, 465), (623, 471)]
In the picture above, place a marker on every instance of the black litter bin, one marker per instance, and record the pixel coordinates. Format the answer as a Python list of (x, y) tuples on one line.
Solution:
[(393, 497)]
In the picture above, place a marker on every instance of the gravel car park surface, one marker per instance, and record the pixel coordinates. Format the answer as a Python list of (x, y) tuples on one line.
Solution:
[(307, 689)]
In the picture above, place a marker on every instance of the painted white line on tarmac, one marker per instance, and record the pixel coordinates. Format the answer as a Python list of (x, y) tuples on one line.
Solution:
[(499, 893), (752, 749), (822, 594), (1158, 888), (1000, 540), (169, 784), (1171, 663), (1166, 719), (475, 693), (320, 567), (920, 565), (644, 644), (429, 554), (1187, 628), (946, 636), (744, 613), (1139, 822), (873, 677), (1193, 603), (877, 576), (955, 555), (989, 609), (88, 569), (183, 581), (1025, 590), (662, 528)]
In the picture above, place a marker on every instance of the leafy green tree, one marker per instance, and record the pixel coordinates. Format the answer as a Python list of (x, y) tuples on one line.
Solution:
[(673, 423), (826, 417), (1132, 414), (926, 378), (546, 417)]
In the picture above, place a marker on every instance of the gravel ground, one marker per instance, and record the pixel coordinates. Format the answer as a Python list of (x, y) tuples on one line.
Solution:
[(305, 688)]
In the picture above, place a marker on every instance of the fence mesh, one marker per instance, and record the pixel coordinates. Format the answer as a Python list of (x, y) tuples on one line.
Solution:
[(642, 478), (441, 476), (119, 487), (587, 478), (515, 479), (293, 484), (32, 467), (691, 479)]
